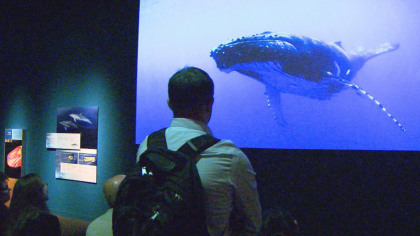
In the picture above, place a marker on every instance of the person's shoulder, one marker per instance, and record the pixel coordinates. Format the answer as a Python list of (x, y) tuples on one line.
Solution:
[(41, 223), (227, 147), (107, 216), (48, 217), (226, 143), (239, 162), (101, 225)]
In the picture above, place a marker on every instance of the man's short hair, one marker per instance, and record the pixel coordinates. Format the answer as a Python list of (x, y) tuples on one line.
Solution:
[(189, 89)]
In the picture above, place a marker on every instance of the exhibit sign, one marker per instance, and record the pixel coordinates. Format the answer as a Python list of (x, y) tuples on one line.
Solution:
[(63, 141), (14, 152), (76, 143), (79, 165)]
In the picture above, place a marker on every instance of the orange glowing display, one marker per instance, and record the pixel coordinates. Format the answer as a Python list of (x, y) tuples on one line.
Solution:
[(14, 158)]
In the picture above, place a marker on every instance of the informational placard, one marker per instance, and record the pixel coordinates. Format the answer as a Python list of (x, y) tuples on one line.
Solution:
[(79, 165), (76, 156), (63, 141), (14, 152)]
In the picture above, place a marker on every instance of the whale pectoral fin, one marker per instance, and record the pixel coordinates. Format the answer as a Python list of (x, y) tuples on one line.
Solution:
[(274, 103), (363, 92)]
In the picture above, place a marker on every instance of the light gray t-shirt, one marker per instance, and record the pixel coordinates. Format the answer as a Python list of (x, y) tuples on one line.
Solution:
[(101, 226), (227, 176)]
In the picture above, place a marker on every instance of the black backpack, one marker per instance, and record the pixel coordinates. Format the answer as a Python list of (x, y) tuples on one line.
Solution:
[(165, 195)]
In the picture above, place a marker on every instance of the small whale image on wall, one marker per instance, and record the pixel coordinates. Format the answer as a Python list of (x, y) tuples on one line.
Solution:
[(83, 120)]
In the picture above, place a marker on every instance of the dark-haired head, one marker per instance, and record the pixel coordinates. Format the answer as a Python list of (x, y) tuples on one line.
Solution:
[(190, 93), (4, 189), (29, 191), (3, 177), (278, 221)]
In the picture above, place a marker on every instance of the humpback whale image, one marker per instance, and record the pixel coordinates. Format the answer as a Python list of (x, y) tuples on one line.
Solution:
[(298, 65)]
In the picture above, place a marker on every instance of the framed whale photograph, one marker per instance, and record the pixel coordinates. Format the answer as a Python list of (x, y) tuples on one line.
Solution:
[(336, 75), (77, 164), (80, 120)]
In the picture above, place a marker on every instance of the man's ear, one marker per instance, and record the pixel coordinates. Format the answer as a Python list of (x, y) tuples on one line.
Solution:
[(169, 104), (210, 104)]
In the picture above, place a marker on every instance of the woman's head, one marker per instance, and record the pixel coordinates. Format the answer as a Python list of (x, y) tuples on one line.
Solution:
[(278, 221), (29, 190), (4, 189)]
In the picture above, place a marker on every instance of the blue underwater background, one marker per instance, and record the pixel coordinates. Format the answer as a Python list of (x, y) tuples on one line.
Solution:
[(174, 34)]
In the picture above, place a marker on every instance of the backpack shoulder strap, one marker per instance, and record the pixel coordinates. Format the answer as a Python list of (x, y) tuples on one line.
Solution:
[(192, 147), (197, 145), (157, 139)]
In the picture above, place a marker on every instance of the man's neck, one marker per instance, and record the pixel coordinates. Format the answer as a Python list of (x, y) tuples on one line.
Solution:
[(196, 118)]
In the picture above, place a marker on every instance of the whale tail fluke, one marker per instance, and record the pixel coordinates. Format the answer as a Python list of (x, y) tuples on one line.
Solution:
[(371, 53)]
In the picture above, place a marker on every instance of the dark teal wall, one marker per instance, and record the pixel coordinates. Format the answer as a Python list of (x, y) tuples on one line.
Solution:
[(70, 54)]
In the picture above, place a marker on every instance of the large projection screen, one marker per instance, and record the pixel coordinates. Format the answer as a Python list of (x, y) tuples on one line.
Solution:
[(293, 88)]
